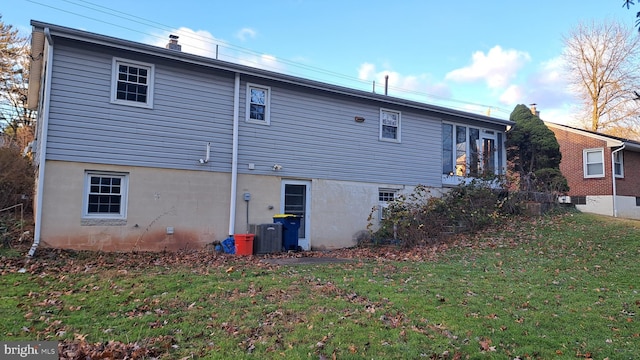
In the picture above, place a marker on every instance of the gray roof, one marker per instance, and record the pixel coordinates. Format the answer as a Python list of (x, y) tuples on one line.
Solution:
[(80, 35)]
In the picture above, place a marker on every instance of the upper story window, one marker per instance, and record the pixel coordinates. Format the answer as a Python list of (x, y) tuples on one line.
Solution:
[(593, 162), (389, 125), (132, 83), (258, 104), (618, 164), (105, 195)]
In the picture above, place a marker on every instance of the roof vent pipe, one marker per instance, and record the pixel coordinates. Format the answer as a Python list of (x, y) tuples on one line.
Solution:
[(386, 84)]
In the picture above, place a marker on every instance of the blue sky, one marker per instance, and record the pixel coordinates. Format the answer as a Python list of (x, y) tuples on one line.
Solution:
[(467, 55)]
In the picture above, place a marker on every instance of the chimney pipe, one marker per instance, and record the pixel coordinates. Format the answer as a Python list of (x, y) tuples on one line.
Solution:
[(173, 43), (534, 111), (386, 84)]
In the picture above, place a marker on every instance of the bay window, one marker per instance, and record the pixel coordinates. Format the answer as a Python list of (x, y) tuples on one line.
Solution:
[(470, 152)]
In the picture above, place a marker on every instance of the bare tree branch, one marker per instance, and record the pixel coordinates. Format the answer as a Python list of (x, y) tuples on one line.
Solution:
[(16, 121), (601, 61)]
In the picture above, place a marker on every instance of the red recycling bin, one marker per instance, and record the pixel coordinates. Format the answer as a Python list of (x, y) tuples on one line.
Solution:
[(244, 244)]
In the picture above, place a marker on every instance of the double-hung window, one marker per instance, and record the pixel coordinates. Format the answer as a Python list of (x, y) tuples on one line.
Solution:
[(593, 163), (132, 83), (105, 195), (618, 164), (389, 125), (258, 104)]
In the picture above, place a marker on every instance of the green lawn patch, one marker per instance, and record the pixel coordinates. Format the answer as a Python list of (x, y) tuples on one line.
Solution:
[(554, 287)]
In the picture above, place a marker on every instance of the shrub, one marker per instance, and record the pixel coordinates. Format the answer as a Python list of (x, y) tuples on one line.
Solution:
[(422, 218), (16, 178)]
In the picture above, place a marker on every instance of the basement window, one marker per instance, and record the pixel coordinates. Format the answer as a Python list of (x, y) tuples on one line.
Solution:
[(105, 196), (385, 196), (579, 200)]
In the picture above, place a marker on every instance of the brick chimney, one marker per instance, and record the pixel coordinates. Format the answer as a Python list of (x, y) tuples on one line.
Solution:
[(173, 43), (534, 111)]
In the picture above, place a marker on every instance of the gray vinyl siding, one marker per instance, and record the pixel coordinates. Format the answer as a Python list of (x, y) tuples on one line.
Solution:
[(191, 107), (313, 135), (312, 132)]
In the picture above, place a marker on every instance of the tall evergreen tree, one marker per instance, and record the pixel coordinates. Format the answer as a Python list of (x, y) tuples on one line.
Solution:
[(535, 153)]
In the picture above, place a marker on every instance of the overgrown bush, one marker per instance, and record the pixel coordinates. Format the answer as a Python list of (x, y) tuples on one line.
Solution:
[(423, 218), (16, 178), (14, 230)]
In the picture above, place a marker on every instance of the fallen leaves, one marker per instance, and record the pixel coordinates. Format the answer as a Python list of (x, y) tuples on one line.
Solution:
[(485, 345), (81, 349)]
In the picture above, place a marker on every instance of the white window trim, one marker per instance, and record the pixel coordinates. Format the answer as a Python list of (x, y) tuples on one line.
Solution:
[(620, 154), (150, 82), (124, 191), (383, 205), (455, 180), (267, 109), (399, 132), (584, 162)]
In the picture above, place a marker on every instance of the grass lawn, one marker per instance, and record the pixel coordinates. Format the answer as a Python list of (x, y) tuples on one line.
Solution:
[(555, 287)]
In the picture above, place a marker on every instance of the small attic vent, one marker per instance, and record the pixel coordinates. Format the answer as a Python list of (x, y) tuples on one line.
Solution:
[(173, 43)]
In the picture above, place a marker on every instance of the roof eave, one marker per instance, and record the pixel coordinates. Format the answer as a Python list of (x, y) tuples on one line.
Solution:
[(80, 35)]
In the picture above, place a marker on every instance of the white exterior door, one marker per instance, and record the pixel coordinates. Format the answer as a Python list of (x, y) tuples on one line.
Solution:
[(296, 200)]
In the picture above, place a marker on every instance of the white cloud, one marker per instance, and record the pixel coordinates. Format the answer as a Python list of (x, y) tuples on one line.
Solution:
[(198, 42), (264, 61), (496, 68), (203, 43), (246, 33), (366, 71), (512, 95), (416, 87), (547, 87)]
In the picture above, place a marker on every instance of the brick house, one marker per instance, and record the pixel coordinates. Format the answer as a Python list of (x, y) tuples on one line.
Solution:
[(589, 160)]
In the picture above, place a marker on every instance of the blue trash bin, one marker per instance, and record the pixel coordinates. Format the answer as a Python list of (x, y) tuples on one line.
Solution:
[(290, 228)]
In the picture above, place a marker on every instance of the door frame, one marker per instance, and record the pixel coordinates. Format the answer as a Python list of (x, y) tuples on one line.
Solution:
[(304, 243), (489, 135)]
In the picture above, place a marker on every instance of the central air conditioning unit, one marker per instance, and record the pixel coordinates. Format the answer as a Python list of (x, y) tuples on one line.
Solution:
[(564, 199), (267, 239)]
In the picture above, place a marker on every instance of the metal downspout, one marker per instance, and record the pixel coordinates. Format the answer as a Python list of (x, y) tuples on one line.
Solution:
[(234, 156), (613, 180), (42, 145)]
